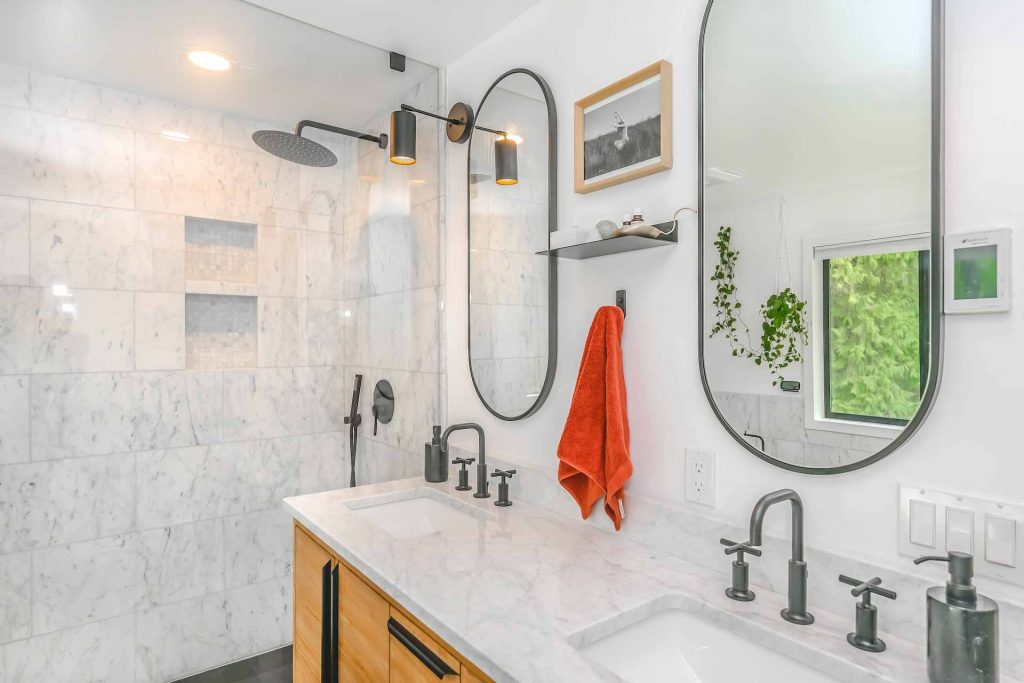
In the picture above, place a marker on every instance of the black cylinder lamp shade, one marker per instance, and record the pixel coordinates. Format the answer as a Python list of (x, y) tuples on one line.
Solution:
[(403, 137), (506, 162)]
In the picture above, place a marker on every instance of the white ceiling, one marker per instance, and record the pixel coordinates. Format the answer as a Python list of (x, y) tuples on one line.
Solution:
[(285, 70), (432, 31)]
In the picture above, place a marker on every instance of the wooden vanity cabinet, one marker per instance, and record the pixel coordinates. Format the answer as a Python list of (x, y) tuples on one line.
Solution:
[(374, 640), (309, 614), (363, 644), (416, 657)]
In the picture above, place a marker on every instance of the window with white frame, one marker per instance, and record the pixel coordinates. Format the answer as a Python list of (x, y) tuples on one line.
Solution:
[(871, 333)]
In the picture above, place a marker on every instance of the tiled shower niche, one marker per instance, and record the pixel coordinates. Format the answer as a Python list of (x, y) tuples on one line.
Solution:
[(220, 331), (221, 268), (220, 251)]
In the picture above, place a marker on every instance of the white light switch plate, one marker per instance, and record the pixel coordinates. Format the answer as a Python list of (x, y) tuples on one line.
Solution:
[(700, 477), (991, 531)]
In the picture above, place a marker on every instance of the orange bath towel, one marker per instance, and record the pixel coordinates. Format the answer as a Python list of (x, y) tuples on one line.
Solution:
[(593, 454)]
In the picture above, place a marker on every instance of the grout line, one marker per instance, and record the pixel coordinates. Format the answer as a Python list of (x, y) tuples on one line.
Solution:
[(148, 290), (175, 214), (239, 369)]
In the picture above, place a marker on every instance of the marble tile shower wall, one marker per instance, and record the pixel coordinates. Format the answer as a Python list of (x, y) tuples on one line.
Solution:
[(141, 535)]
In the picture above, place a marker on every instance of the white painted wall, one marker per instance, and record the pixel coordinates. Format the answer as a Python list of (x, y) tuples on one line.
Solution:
[(971, 441)]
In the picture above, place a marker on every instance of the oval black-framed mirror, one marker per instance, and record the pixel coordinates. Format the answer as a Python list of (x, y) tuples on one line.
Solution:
[(820, 227), (511, 209)]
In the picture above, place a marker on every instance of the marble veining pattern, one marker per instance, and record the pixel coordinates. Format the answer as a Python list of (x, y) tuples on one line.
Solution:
[(549, 578), (555, 583), (145, 493)]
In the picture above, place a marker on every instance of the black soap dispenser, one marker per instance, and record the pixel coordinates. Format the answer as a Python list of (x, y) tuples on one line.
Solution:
[(435, 460), (963, 627)]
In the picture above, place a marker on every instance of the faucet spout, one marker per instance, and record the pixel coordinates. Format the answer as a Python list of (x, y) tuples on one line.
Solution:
[(796, 612), (481, 465), (770, 499)]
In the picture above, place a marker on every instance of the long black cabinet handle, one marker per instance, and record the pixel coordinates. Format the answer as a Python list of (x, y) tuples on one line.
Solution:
[(326, 623), (437, 666), (334, 624)]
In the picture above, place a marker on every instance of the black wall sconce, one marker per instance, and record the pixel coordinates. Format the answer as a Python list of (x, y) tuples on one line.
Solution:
[(460, 125)]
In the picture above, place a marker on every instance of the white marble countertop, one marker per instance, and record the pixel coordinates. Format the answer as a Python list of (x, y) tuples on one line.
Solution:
[(515, 591)]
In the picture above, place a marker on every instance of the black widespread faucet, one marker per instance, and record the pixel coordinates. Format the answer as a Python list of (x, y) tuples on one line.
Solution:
[(797, 611), (481, 465)]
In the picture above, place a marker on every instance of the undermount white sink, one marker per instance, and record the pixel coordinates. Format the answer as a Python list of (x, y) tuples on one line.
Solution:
[(681, 647), (416, 513)]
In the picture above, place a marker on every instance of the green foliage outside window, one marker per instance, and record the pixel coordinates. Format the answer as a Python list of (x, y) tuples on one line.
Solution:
[(875, 344)]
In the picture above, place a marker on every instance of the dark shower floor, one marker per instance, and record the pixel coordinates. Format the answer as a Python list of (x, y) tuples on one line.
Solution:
[(270, 667)]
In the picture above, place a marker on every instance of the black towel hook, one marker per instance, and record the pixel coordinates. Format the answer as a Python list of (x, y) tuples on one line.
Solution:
[(620, 301)]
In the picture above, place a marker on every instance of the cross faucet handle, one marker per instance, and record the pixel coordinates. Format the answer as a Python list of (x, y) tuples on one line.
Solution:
[(864, 589), (740, 588), (733, 547), (865, 637)]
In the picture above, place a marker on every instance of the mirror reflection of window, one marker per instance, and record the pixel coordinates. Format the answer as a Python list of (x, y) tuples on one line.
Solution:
[(875, 308), (818, 225)]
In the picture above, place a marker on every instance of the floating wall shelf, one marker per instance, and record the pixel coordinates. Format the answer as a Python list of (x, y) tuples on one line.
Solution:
[(615, 245)]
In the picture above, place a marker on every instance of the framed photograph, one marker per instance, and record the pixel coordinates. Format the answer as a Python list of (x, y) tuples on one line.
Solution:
[(977, 269), (624, 131)]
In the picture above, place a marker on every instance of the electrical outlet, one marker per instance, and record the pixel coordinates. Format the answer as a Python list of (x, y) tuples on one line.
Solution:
[(700, 477)]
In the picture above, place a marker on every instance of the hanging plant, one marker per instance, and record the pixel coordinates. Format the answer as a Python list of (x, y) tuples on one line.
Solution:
[(783, 317)]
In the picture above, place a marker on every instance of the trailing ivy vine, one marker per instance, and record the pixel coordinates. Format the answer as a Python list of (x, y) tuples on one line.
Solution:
[(783, 317)]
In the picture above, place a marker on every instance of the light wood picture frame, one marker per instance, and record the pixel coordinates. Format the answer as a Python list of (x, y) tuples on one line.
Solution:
[(624, 131)]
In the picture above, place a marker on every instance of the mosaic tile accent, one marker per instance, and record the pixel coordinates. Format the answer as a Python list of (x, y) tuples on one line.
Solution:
[(220, 331), (220, 251)]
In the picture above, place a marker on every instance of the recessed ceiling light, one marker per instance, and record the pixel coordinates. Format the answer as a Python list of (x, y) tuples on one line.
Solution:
[(211, 61), (175, 135)]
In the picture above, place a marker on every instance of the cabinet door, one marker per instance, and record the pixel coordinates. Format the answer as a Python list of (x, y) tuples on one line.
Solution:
[(363, 636), (416, 657), (310, 560)]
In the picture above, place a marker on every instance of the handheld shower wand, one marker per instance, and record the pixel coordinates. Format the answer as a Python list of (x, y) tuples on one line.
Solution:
[(353, 421)]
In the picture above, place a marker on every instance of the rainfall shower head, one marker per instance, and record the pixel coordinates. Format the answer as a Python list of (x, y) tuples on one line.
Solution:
[(294, 147)]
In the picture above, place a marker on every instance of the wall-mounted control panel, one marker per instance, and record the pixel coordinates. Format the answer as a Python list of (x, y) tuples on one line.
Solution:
[(935, 522)]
